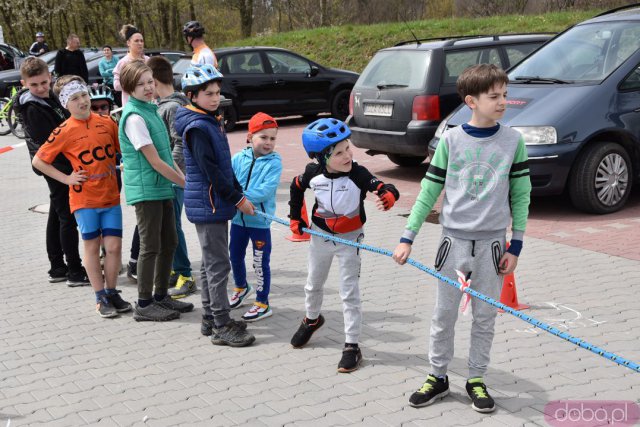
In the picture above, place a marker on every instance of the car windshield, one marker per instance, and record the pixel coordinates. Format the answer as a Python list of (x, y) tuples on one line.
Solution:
[(585, 53), (396, 68)]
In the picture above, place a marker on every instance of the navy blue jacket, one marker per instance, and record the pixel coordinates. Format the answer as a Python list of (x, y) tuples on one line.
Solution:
[(212, 192)]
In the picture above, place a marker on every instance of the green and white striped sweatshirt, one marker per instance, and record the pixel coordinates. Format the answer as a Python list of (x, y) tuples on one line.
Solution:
[(481, 178)]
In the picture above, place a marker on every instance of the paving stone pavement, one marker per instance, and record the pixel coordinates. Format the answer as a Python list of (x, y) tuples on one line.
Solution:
[(62, 365)]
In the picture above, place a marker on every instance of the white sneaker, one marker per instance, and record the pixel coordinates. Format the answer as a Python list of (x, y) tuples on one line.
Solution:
[(257, 312), (239, 295)]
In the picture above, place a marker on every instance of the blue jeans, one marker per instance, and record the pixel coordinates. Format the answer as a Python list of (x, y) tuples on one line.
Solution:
[(261, 239), (181, 263)]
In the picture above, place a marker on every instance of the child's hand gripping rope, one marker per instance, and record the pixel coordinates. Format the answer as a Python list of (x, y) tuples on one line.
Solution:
[(577, 341)]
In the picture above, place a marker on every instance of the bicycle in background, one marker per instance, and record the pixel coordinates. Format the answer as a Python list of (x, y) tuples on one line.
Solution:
[(10, 119)]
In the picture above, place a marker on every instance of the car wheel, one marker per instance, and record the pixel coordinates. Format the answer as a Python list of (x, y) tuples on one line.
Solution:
[(340, 104), (406, 160), (230, 117), (601, 179)]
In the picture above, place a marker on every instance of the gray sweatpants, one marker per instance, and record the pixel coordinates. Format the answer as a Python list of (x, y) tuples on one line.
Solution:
[(321, 253), (481, 258), (214, 241)]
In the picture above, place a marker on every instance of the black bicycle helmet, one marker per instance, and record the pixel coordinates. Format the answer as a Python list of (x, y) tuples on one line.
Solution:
[(193, 29)]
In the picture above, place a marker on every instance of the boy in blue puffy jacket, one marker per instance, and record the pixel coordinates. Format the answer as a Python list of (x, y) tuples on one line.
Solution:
[(211, 196), (257, 169)]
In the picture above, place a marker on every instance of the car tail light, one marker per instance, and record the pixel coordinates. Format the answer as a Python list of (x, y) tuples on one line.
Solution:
[(426, 107), (351, 103)]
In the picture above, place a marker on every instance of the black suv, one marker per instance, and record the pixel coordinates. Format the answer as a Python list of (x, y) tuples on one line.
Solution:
[(576, 102), (406, 90)]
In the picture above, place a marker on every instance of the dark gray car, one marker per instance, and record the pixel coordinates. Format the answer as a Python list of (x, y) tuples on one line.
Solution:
[(406, 90)]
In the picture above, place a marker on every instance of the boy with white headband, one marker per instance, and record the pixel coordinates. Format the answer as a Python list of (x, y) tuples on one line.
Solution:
[(90, 142)]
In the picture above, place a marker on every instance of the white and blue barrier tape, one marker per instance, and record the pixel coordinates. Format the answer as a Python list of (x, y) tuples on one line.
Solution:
[(537, 323)]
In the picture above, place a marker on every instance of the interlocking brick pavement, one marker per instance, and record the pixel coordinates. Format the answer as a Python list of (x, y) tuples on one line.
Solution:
[(60, 364)]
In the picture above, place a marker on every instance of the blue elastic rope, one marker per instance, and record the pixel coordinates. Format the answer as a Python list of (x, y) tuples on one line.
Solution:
[(537, 323)]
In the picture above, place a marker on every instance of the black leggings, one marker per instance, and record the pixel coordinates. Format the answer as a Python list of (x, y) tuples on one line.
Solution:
[(135, 244), (62, 232)]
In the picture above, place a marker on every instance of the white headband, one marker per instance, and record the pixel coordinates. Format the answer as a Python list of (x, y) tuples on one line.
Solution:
[(71, 89)]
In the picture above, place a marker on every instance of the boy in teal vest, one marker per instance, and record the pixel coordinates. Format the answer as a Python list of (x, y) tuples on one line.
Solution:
[(149, 172)]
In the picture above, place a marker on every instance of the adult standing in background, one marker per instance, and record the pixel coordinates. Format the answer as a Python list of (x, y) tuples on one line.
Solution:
[(193, 33), (70, 60), (135, 43), (39, 46), (106, 66)]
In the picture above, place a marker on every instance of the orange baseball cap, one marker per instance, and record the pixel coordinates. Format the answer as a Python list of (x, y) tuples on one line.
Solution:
[(261, 121)]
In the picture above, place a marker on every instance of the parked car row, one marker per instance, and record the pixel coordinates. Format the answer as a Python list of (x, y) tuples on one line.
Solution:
[(574, 97), (273, 80), (281, 83)]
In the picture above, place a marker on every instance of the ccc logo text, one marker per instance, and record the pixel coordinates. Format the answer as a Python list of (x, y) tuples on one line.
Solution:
[(99, 153)]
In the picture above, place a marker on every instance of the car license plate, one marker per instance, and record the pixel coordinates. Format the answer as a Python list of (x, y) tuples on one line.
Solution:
[(384, 110)]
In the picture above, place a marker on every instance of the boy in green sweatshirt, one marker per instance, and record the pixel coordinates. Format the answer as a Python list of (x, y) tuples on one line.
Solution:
[(483, 168)]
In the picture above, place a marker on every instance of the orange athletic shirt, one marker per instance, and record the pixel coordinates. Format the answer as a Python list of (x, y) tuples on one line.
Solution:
[(91, 145)]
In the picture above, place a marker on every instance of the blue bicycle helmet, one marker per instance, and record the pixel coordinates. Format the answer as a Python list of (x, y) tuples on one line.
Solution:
[(323, 134), (197, 75)]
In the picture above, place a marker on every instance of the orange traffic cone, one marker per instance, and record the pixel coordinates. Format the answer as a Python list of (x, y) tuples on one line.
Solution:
[(509, 295), (305, 236)]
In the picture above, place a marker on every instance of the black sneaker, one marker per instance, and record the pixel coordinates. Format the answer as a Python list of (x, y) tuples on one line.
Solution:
[(105, 309), (432, 389), (304, 332), (132, 271), (479, 395), (350, 361), (179, 306), (206, 328), (232, 334), (78, 278), (121, 305), (154, 312), (58, 274)]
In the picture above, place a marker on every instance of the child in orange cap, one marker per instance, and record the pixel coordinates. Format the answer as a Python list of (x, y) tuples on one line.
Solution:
[(257, 168)]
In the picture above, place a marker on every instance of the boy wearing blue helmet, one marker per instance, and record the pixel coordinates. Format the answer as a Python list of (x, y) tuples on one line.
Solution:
[(340, 186), (211, 196)]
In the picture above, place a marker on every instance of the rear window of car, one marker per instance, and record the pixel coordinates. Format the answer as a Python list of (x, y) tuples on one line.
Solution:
[(458, 61), (397, 68)]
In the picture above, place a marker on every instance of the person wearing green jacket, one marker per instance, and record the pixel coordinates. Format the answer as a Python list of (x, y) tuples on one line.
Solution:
[(483, 169), (149, 172)]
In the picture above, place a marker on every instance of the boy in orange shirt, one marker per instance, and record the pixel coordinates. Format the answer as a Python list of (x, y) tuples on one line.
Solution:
[(90, 142)]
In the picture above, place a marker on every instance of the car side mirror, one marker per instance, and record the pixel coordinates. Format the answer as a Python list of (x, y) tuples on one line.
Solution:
[(313, 71)]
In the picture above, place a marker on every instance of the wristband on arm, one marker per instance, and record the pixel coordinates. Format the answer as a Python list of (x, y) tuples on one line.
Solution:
[(515, 247)]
